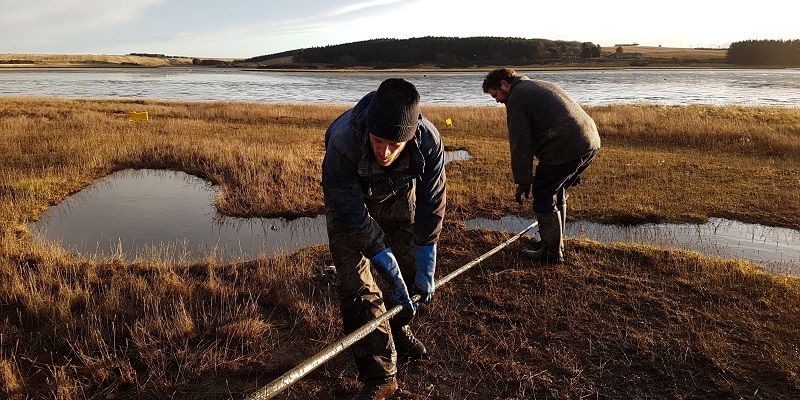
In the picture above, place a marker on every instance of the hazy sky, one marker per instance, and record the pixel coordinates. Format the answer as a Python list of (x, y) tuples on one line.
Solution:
[(245, 28)]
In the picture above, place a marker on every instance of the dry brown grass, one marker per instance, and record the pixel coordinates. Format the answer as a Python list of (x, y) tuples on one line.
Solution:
[(616, 321), (671, 52), (10, 381), (264, 158), (658, 163), (88, 59), (103, 329), (664, 163)]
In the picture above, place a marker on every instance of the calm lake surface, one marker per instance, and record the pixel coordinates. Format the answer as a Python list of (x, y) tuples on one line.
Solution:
[(161, 214), (780, 87)]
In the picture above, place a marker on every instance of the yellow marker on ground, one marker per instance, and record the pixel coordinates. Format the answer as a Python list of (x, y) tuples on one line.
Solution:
[(138, 115), (448, 122)]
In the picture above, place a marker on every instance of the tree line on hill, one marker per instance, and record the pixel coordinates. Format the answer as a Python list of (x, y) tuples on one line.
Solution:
[(441, 51), (765, 52)]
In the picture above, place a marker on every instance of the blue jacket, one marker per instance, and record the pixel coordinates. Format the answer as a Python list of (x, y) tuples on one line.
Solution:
[(352, 179)]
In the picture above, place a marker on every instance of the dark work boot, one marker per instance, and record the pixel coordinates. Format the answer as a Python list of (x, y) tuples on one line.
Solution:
[(552, 249), (377, 390), (408, 347)]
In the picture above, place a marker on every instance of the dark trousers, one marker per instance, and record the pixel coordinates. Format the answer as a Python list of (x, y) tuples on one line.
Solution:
[(360, 298), (552, 182)]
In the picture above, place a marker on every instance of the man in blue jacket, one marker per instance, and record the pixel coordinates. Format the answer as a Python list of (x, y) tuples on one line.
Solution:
[(384, 188)]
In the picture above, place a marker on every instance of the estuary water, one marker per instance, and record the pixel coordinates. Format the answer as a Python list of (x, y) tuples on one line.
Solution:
[(777, 87)]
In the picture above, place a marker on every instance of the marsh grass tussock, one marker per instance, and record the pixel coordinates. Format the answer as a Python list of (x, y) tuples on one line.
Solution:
[(615, 321)]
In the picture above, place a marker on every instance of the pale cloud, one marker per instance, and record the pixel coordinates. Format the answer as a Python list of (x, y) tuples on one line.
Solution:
[(71, 15), (363, 5), (66, 26), (245, 28), (328, 20), (679, 23), (323, 28), (684, 23)]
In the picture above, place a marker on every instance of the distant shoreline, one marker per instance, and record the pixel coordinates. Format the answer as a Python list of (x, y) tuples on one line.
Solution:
[(81, 65), (519, 68), (629, 58), (609, 67)]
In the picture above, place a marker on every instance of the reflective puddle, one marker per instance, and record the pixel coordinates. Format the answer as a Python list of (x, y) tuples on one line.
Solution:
[(158, 213), (456, 155), (776, 248), (169, 214)]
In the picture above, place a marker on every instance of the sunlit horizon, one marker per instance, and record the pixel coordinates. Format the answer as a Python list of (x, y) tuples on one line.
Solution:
[(249, 28)]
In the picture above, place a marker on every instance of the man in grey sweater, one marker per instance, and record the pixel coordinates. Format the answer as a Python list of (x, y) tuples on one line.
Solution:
[(545, 123)]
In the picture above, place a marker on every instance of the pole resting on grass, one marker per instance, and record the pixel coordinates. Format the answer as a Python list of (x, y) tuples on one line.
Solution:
[(332, 350)]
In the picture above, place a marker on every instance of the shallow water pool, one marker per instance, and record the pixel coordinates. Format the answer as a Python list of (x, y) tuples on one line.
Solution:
[(158, 213), (778, 249), (163, 214)]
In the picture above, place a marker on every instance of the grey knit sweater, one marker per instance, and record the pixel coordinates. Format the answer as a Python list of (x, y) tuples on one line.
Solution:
[(543, 121)]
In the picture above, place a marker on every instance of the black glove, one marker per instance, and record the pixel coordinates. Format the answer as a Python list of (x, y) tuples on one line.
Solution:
[(523, 188)]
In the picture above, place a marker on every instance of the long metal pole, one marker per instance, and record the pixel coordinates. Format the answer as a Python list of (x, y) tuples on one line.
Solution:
[(295, 374)]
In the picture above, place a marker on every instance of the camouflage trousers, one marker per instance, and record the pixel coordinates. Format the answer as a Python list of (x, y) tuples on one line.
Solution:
[(361, 299)]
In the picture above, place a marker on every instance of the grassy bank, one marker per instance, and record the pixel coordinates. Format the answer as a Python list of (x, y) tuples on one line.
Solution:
[(8, 60), (615, 321), (664, 163)]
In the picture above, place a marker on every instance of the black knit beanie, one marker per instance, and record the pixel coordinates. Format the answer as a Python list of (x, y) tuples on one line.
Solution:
[(394, 111)]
